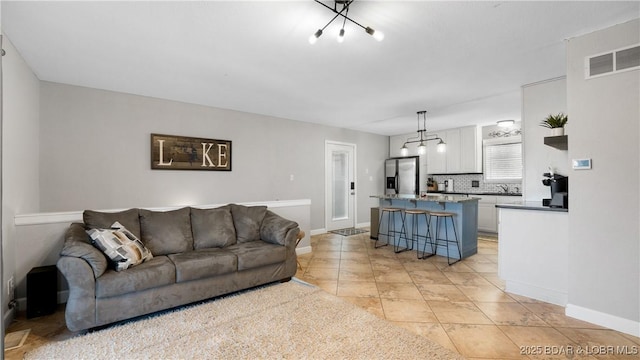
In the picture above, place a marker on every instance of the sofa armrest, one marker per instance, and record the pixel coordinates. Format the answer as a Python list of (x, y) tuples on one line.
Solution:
[(277, 230), (80, 311), (77, 244)]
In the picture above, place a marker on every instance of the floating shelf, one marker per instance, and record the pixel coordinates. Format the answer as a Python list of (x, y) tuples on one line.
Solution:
[(558, 142)]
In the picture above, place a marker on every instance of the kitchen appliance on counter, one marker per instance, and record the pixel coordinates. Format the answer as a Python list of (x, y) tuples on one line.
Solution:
[(432, 185), (448, 185), (559, 185), (402, 176)]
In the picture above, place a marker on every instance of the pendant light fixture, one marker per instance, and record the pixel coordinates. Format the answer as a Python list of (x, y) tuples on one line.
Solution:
[(344, 11), (422, 138)]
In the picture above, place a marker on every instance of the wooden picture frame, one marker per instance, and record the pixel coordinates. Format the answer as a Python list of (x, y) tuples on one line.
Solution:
[(172, 152)]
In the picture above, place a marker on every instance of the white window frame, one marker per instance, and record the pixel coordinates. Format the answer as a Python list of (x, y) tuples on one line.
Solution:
[(497, 142)]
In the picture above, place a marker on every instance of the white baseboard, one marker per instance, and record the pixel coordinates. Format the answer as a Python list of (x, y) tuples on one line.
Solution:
[(9, 315), (536, 292), (363, 225), (303, 250), (607, 320)]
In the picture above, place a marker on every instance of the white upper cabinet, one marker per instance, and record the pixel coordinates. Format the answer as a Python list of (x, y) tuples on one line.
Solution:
[(436, 161), (471, 149), (454, 151), (463, 155)]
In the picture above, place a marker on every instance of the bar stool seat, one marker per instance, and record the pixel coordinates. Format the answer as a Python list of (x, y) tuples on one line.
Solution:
[(415, 231), (391, 225), (442, 216)]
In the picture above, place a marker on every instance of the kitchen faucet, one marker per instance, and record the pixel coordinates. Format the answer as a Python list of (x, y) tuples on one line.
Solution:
[(504, 187)]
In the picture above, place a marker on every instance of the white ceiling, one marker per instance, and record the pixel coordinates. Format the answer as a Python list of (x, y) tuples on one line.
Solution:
[(462, 61)]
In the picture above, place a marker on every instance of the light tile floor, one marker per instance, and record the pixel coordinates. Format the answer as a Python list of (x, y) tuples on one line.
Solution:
[(462, 307)]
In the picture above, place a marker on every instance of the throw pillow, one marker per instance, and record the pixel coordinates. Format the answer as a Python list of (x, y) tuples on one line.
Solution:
[(166, 232), (247, 221), (120, 245), (212, 227)]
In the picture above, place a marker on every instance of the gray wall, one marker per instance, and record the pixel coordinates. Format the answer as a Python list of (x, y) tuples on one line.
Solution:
[(538, 101), (95, 153), (20, 151), (604, 213)]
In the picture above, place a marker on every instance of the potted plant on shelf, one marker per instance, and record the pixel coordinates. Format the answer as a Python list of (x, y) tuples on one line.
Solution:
[(556, 123)]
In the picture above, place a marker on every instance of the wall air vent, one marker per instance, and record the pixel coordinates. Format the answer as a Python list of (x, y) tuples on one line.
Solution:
[(612, 62)]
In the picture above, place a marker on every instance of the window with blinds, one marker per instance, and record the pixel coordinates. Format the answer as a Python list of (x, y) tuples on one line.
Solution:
[(503, 159)]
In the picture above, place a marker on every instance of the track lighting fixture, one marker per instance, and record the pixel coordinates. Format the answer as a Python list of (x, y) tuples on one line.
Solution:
[(343, 12), (423, 138)]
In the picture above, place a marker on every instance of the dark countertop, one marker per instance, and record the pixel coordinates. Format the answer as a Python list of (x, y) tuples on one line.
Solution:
[(475, 193), (437, 197), (530, 205)]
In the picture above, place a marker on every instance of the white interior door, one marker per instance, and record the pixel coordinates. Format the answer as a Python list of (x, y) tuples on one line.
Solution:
[(340, 185)]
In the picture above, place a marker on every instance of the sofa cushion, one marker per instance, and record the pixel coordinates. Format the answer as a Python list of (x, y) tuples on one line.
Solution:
[(257, 253), (247, 221), (120, 246), (199, 264), (103, 220), (156, 272), (166, 232), (212, 227)]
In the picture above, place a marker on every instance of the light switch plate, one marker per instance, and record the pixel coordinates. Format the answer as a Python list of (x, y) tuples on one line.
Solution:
[(581, 164)]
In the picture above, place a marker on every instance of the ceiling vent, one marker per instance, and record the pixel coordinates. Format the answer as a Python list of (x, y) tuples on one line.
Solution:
[(612, 62)]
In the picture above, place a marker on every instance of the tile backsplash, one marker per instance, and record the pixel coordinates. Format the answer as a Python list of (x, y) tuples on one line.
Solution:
[(462, 183)]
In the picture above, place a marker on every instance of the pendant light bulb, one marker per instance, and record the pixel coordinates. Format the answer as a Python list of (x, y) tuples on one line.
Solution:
[(341, 36), (378, 35), (422, 148), (404, 151), (441, 147), (314, 38)]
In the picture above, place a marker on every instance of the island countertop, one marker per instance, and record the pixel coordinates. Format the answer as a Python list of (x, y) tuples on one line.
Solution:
[(434, 198)]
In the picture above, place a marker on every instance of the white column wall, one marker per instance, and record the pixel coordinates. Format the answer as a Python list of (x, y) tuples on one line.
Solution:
[(604, 202)]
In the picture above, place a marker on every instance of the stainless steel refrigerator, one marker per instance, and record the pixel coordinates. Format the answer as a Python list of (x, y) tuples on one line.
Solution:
[(402, 176)]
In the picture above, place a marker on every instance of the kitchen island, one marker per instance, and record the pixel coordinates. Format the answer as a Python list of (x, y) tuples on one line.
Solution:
[(465, 209)]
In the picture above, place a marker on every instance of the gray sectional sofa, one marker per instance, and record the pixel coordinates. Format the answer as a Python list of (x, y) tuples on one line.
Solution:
[(197, 254)]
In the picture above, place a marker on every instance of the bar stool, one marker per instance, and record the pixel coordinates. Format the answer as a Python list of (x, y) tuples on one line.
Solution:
[(391, 223), (415, 233), (441, 215)]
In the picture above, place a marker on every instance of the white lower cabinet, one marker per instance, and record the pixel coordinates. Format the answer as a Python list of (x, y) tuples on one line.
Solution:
[(487, 214)]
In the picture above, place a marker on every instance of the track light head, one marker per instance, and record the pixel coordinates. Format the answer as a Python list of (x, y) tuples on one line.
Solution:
[(341, 36)]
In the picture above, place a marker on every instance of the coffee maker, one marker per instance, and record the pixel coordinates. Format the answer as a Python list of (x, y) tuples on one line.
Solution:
[(559, 190)]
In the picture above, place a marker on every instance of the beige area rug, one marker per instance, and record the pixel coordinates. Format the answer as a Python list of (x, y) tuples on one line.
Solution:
[(293, 320)]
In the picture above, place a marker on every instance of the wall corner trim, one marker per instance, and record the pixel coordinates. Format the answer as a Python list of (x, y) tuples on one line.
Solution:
[(603, 319)]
